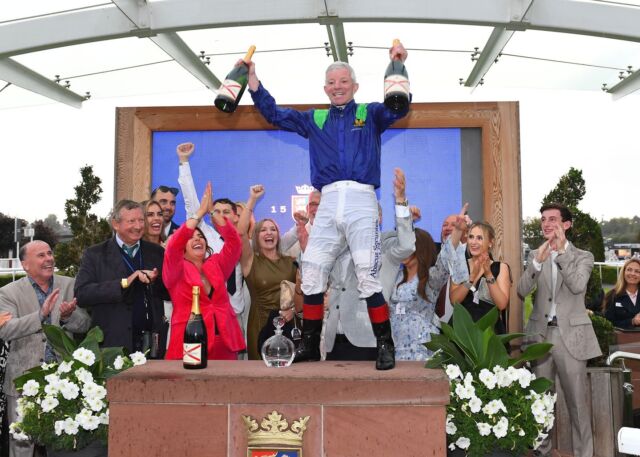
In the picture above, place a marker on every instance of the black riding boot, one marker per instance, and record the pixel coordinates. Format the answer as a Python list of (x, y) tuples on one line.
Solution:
[(386, 350), (309, 348)]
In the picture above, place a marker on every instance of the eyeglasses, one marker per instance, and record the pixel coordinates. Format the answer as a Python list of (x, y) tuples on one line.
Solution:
[(174, 190)]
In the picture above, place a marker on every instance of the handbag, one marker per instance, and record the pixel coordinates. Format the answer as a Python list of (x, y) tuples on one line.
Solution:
[(287, 291)]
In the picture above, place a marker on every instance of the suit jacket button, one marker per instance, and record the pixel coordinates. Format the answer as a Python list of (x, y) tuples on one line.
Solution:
[(546, 315), (44, 340), (343, 289), (549, 299)]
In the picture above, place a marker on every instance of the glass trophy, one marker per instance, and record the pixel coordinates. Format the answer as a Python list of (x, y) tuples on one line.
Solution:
[(278, 351)]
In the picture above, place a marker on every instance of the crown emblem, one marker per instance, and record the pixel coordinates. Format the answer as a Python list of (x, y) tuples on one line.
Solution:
[(274, 429), (305, 189)]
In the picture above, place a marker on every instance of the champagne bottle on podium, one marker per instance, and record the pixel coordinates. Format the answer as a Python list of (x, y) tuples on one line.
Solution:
[(233, 86), (194, 346), (396, 85)]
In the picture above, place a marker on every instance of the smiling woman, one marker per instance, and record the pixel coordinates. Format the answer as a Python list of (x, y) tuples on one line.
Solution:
[(153, 217), (489, 282), (188, 262)]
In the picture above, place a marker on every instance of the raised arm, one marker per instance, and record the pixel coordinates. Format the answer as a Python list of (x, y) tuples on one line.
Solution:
[(185, 179), (404, 244), (246, 258), (173, 264)]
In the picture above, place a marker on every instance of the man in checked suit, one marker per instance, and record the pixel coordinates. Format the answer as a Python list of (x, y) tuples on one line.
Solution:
[(120, 280), (41, 297), (560, 272)]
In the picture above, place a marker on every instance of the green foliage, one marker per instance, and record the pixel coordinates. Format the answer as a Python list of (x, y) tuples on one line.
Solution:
[(45, 233), (622, 229), (87, 228), (7, 226), (87, 373), (474, 345), (7, 279), (605, 332), (609, 275), (531, 233), (569, 190), (483, 379), (586, 234)]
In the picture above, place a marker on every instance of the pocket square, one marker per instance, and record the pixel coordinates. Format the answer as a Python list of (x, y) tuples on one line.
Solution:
[(619, 305)]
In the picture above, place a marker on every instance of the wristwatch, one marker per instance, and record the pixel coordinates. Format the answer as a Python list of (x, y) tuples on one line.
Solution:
[(404, 203), (124, 283), (469, 286), (491, 280)]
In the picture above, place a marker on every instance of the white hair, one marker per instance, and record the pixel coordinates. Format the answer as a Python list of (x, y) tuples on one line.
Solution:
[(339, 66)]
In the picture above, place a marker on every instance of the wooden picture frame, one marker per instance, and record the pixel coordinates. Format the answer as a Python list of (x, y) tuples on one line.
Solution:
[(498, 121)]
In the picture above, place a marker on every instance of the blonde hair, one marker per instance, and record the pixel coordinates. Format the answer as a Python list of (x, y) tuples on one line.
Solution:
[(256, 233), (621, 284)]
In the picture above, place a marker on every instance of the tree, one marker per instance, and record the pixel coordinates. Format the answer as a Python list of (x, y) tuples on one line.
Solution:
[(569, 190), (7, 243), (86, 227), (52, 222), (531, 232), (622, 229), (45, 233)]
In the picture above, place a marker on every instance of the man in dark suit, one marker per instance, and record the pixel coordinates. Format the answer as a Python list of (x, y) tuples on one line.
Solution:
[(166, 197), (560, 272), (120, 280)]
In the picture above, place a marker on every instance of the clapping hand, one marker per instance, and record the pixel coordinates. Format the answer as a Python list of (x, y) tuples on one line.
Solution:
[(49, 303), (543, 252), (4, 318), (67, 308)]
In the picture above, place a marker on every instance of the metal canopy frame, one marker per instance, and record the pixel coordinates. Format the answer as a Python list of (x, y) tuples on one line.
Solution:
[(160, 22)]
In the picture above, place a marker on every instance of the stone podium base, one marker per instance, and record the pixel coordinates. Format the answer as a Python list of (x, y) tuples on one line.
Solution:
[(161, 409)]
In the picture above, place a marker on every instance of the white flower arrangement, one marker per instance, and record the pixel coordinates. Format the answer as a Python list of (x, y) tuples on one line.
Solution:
[(501, 412), (64, 405), (493, 404)]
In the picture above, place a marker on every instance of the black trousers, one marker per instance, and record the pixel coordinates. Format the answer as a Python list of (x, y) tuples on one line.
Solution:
[(344, 350)]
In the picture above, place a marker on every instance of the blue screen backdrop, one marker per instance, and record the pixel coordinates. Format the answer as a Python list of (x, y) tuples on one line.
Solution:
[(233, 160)]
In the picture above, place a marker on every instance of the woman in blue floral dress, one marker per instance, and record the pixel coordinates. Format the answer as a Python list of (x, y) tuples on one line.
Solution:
[(419, 283)]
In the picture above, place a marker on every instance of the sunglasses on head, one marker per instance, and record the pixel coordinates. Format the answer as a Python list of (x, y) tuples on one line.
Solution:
[(173, 190)]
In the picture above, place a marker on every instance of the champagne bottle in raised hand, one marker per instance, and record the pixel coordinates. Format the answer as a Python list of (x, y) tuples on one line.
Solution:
[(396, 85), (233, 86), (194, 346)]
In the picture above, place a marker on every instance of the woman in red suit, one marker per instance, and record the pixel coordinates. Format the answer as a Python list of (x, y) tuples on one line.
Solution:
[(188, 262)]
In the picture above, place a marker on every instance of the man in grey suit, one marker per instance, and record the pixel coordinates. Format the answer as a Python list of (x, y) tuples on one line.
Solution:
[(40, 297), (560, 273)]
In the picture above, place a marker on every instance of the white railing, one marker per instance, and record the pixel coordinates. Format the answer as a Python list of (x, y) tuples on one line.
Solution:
[(617, 266), (11, 266)]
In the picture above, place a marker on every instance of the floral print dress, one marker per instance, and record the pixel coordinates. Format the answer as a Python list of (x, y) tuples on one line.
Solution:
[(412, 317)]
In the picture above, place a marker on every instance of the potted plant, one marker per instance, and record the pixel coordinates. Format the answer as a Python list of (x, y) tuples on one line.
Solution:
[(496, 406), (63, 405)]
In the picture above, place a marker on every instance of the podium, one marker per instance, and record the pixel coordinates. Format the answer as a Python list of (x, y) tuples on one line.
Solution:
[(161, 409)]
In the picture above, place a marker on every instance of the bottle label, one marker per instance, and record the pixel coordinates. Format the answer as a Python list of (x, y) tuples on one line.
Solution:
[(192, 353), (396, 83), (229, 89)]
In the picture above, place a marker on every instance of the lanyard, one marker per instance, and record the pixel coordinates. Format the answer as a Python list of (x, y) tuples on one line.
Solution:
[(127, 259)]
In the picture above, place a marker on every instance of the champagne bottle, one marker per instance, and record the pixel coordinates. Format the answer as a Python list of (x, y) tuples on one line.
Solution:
[(396, 85), (231, 90), (194, 346)]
